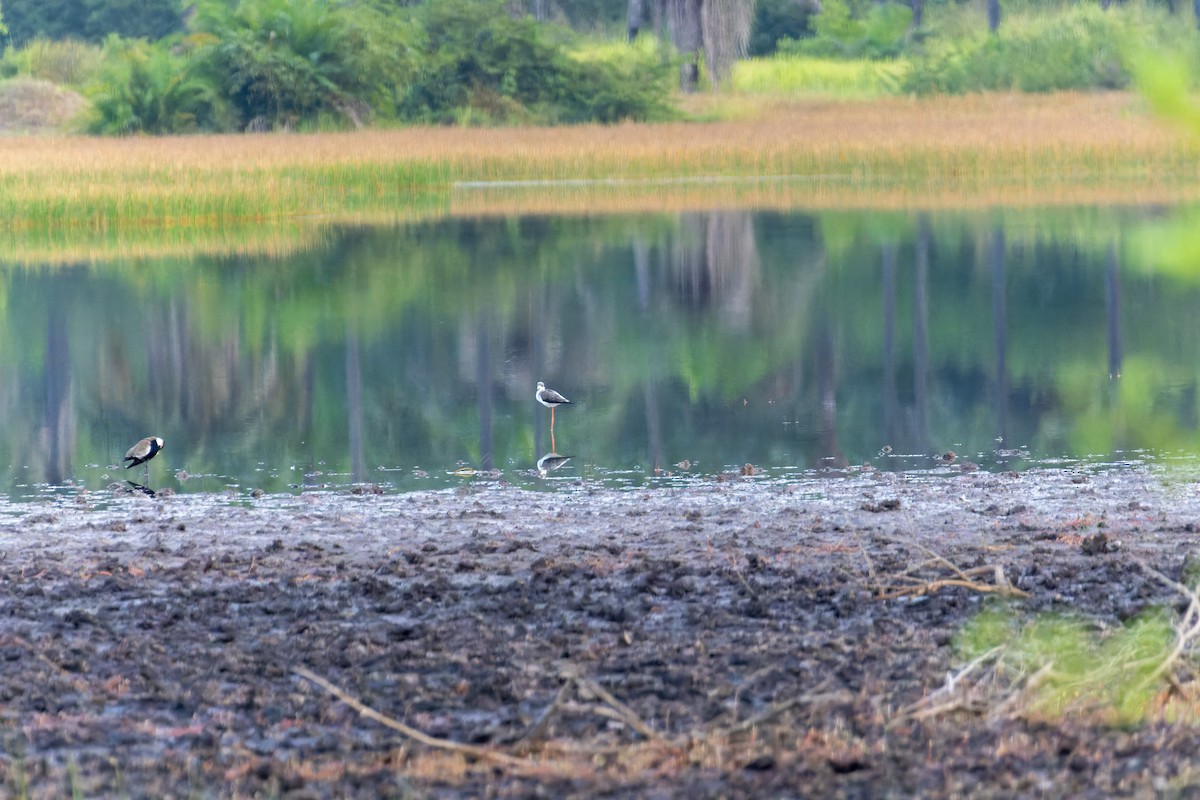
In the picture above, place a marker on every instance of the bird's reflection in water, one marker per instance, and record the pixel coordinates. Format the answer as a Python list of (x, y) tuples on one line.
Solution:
[(550, 462), (137, 487)]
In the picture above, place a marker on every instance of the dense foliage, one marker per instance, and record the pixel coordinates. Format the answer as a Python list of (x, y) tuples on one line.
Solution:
[(90, 20), (281, 62), (779, 20), (162, 66), (516, 69), (288, 64), (1079, 48), (1039, 47), (878, 30)]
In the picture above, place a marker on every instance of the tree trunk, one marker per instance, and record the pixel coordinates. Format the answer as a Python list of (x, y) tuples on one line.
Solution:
[(636, 15), (918, 9), (726, 30), (684, 25), (993, 15)]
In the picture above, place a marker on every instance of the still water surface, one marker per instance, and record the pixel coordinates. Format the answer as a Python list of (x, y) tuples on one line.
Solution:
[(790, 341)]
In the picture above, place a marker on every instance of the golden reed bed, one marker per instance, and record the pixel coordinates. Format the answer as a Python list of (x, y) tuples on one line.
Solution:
[(986, 150)]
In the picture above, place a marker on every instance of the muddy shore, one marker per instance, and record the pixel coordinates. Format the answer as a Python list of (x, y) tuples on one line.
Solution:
[(722, 638)]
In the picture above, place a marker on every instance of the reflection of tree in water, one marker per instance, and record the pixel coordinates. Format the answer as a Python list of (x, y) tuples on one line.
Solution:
[(691, 332), (58, 428), (714, 263)]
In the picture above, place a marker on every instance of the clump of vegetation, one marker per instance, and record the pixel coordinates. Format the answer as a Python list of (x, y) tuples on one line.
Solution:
[(518, 70), (879, 30), (142, 88), (279, 63), (803, 75), (305, 64), (779, 20), (1053, 664), (66, 62), (1078, 48), (89, 20)]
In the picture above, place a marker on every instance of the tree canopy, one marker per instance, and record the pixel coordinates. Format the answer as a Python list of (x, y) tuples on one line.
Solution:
[(89, 20)]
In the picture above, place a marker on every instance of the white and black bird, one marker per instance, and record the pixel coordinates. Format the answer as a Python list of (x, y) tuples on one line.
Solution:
[(143, 451), (550, 399)]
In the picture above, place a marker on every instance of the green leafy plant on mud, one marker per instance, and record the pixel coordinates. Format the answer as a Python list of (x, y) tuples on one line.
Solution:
[(1059, 663), (1053, 664)]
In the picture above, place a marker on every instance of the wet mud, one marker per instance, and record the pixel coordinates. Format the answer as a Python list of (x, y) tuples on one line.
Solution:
[(734, 637)]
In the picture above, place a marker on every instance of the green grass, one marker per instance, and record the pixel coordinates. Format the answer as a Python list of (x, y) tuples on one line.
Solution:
[(809, 153), (792, 76), (1065, 664)]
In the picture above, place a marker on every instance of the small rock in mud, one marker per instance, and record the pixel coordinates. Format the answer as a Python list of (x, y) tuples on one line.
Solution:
[(890, 504), (760, 763), (1097, 544)]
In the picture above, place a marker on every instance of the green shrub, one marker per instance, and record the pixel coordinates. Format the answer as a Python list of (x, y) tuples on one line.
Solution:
[(148, 88), (783, 76), (67, 62), (283, 62), (1076, 48), (482, 66), (879, 31), (775, 20)]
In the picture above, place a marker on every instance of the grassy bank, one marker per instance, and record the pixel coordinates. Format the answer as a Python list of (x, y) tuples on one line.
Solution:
[(997, 149)]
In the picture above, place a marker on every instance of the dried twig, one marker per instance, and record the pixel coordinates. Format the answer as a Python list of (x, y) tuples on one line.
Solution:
[(926, 707), (965, 578), (538, 728), (870, 566), (940, 559), (364, 710), (1007, 589), (1187, 630), (779, 708), (627, 714), (1017, 699)]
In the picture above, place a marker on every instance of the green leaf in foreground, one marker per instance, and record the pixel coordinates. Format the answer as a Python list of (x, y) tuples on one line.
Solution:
[(1065, 663)]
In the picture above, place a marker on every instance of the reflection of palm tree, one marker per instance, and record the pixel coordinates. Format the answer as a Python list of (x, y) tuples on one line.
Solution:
[(1112, 309), (1000, 330)]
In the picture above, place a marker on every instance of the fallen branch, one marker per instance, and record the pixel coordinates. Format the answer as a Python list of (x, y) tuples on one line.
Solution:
[(538, 728), (1187, 630), (964, 578), (364, 710), (928, 707), (626, 713), (841, 695), (1005, 590)]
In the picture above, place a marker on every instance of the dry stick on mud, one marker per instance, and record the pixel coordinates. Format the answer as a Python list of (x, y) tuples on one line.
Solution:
[(538, 728), (965, 579), (1187, 630), (933, 704), (626, 713), (364, 710)]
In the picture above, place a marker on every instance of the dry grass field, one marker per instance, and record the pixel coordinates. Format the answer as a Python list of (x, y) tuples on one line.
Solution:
[(896, 152)]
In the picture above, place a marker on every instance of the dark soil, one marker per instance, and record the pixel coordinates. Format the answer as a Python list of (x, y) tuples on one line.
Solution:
[(722, 639)]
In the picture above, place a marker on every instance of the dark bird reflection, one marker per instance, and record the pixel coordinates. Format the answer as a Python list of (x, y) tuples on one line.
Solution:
[(137, 487), (550, 462)]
